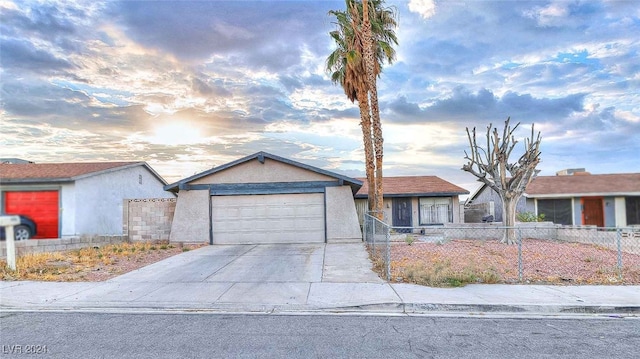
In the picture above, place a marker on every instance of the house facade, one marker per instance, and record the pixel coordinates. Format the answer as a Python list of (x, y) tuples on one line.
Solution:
[(577, 198), (264, 198), (76, 199), (415, 201)]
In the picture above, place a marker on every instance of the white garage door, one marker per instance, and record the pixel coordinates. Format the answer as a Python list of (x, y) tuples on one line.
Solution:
[(277, 218)]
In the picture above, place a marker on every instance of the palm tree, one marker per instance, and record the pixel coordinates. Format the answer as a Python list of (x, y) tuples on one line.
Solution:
[(346, 67), (353, 64)]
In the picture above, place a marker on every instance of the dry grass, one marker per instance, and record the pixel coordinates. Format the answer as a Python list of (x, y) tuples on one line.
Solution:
[(460, 262), (89, 264)]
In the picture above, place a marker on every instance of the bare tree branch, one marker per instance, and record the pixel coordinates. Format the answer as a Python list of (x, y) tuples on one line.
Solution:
[(508, 180)]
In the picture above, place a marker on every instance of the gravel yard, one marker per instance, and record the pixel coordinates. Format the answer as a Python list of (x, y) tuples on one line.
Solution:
[(459, 262), (90, 264)]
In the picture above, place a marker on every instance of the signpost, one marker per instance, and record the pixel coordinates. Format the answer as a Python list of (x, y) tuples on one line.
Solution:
[(8, 222)]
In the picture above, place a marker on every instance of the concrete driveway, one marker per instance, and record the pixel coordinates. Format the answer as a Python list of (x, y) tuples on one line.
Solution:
[(266, 263), (250, 276)]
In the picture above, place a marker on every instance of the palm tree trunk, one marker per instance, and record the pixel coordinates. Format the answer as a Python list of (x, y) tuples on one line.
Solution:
[(378, 141), (365, 123)]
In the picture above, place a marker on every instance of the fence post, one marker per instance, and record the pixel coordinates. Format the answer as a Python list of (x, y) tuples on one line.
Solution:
[(520, 254), (364, 229), (619, 244), (373, 235), (388, 254)]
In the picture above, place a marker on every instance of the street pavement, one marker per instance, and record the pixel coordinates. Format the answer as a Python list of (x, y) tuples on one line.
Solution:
[(334, 277)]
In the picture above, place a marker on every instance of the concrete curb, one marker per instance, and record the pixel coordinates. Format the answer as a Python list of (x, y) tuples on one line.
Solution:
[(388, 308)]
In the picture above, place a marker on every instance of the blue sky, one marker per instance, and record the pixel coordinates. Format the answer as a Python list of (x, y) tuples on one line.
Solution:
[(188, 85)]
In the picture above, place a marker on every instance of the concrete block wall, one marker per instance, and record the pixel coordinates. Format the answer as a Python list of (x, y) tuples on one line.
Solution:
[(56, 245), (495, 230), (148, 219)]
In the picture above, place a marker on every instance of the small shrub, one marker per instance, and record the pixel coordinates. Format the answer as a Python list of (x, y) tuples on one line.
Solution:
[(409, 239), (529, 217), (441, 274)]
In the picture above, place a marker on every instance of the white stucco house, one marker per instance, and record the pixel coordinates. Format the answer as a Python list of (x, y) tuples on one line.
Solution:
[(264, 198), (76, 199)]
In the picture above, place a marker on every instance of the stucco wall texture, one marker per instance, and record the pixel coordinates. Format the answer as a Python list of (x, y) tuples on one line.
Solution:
[(342, 219), (191, 219), (97, 205)]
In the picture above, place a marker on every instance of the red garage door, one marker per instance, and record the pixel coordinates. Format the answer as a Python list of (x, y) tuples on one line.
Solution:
[(41, 206)]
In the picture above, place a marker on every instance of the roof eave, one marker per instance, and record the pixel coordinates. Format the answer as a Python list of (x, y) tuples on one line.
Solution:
[(593, 194), (260, 156), (35, 180), (420, 194)]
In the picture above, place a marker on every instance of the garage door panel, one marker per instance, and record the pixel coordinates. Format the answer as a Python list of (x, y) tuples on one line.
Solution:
[(41, 206), (281, 218)]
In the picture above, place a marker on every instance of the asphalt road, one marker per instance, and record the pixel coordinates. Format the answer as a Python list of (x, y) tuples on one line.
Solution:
[(187, 335)]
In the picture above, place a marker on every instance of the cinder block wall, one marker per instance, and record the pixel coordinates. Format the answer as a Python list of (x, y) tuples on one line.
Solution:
[(55, 245), (148, 219)]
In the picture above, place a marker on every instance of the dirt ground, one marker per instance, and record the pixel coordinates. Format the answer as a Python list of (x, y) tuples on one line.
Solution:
[(459, 262), (91, 264)]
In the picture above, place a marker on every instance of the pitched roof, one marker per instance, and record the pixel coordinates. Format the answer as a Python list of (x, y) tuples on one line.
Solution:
[(260, 156), (577, 186), (62, 172), (414, 186)]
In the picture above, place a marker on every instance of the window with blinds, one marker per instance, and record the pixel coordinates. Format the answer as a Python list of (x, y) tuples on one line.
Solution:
[(435, 210)]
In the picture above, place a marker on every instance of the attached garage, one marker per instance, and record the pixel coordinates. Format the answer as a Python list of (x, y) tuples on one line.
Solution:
[(262, 199), (41, 206), (277, 218)]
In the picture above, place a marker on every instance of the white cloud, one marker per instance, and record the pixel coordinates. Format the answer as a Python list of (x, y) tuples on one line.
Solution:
[(425, 8), (550, 15), (252, 78)]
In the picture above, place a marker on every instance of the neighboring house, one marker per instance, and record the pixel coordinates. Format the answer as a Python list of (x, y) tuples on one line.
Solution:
[(485, 202), (74, 199), (578, 198), (264, 198), (414, 201)]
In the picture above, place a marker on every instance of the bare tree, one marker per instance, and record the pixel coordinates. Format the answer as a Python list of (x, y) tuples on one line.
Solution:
[(491, 166)]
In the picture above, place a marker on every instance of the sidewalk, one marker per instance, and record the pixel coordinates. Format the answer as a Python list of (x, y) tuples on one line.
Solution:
[(321, 278), (321, 296)]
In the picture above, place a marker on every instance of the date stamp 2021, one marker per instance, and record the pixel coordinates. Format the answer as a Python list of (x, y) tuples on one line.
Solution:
[(23, 349)]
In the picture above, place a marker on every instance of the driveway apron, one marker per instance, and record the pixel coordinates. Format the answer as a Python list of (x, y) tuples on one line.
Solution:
[(250, 275)]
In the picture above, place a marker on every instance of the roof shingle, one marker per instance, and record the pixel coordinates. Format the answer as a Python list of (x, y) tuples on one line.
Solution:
[(55, 171), (601, 184), (414, 185)]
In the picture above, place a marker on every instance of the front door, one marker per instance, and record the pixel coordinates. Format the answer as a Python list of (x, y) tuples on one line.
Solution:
[(402, 213), (593, 213)]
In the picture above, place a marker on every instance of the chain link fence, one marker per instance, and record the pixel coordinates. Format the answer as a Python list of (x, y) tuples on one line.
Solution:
[(540, 253)]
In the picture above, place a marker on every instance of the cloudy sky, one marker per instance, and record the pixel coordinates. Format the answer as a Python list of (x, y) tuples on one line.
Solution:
[(188, 85)]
